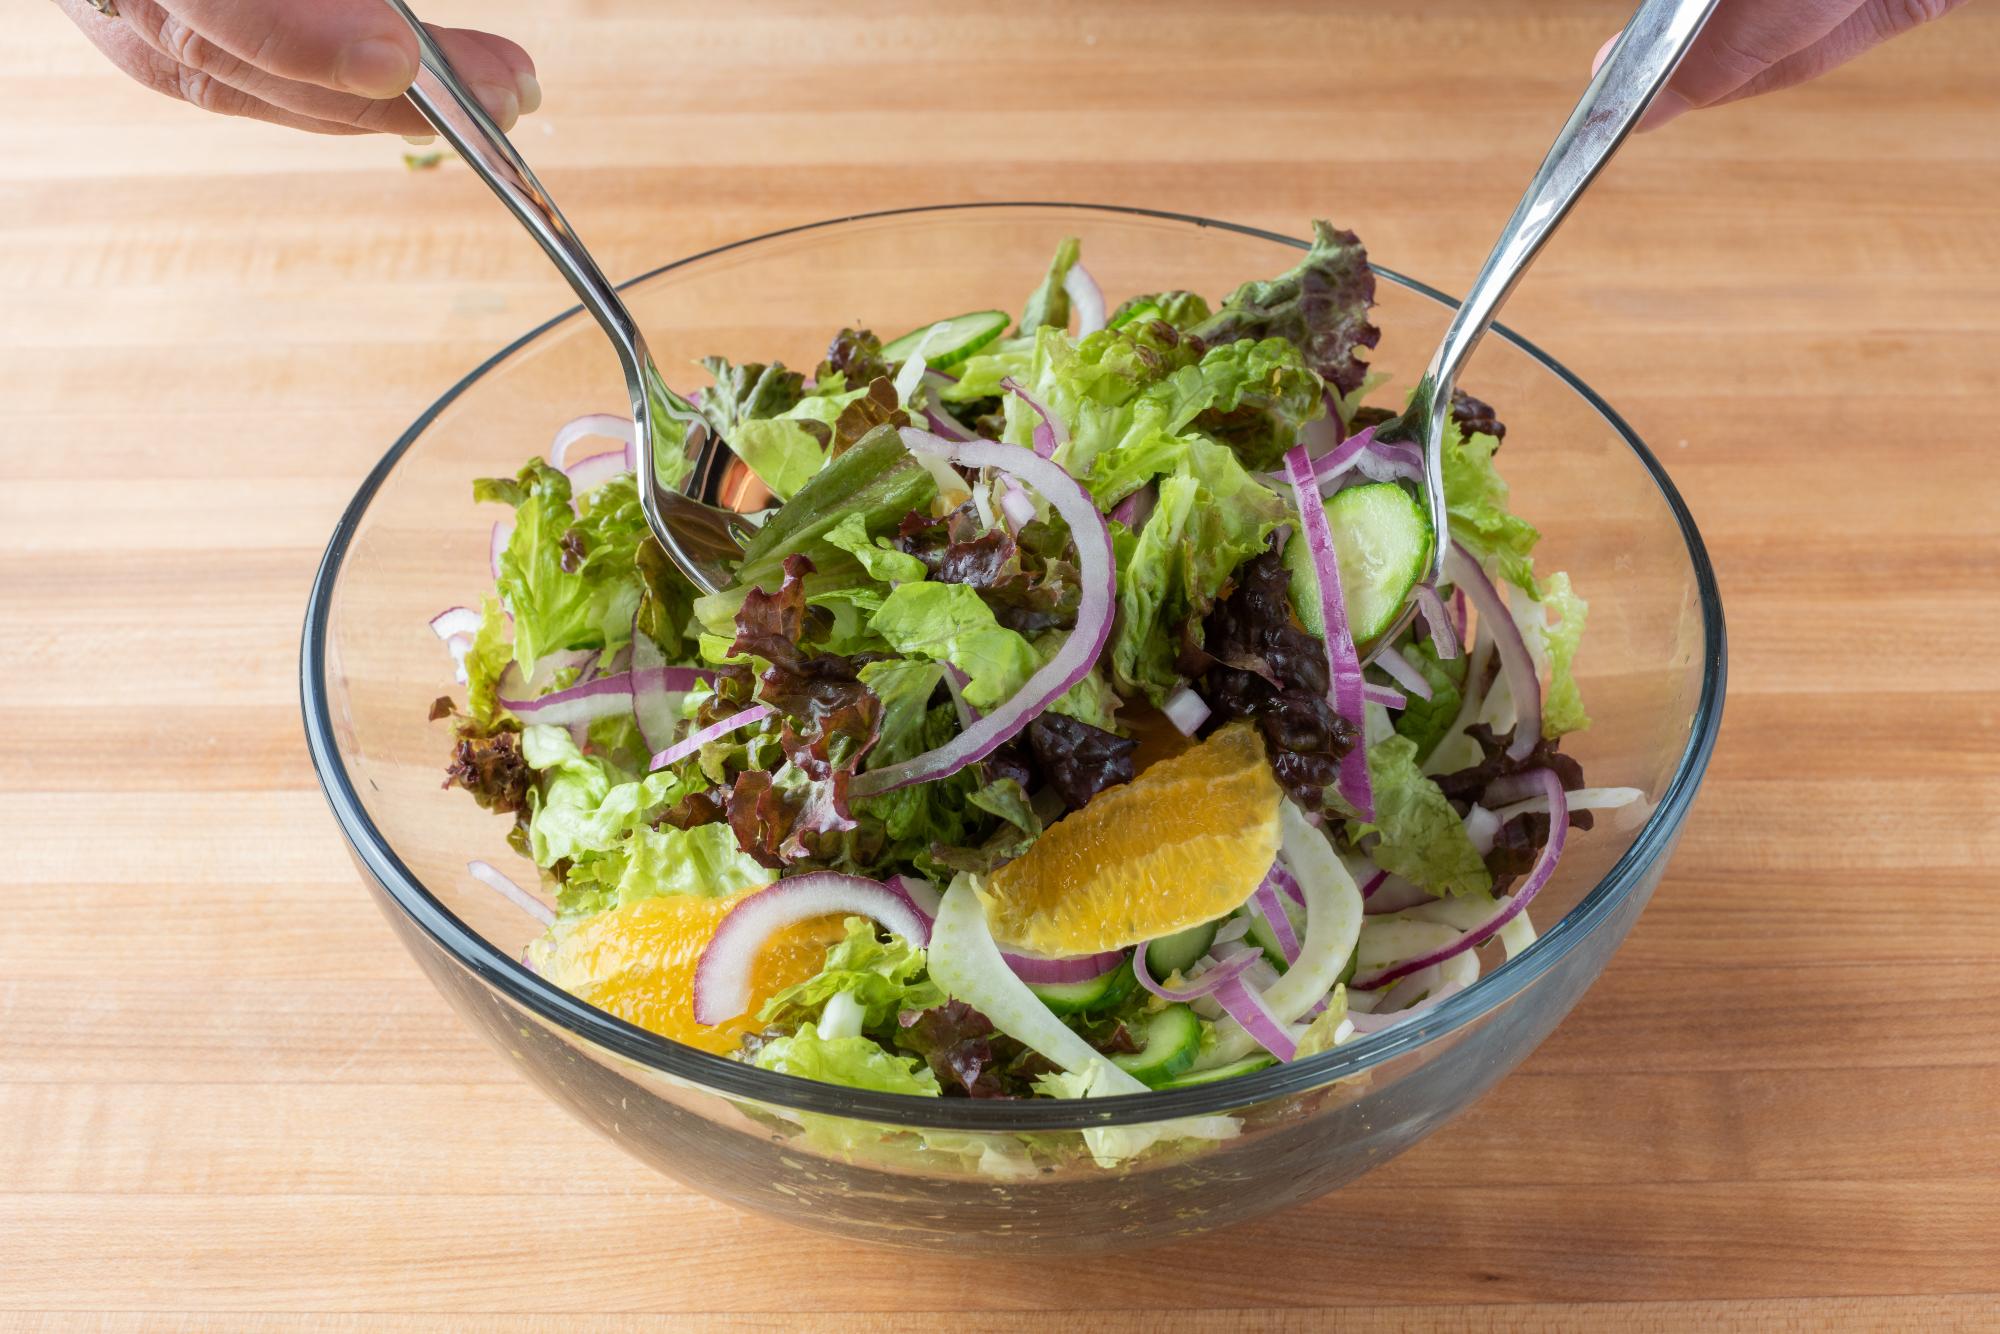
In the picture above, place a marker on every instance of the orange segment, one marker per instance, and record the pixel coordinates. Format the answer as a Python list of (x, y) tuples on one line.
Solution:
[(638, 963), (1181, 844)]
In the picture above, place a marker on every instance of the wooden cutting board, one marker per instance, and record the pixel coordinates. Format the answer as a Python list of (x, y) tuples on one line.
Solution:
[(227, 1098)]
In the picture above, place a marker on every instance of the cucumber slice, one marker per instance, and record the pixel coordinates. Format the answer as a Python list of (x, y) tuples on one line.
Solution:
[(1382, 539), (1247, 1066), (1147, 309), (951, 341), (1099, 993), (1172, 1039), (1178, 952)]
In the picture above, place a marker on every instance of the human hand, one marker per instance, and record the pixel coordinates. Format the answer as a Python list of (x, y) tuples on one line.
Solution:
[(1759, 46), (330, 66)]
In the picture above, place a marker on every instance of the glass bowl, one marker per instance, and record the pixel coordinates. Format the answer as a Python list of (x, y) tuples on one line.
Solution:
[(1015, 1175)]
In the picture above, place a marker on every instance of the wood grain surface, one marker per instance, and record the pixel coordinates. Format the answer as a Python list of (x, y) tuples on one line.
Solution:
[(229, 1100)]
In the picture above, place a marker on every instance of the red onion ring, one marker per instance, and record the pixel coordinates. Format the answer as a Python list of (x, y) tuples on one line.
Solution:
[(605, 697), (1051, 433), (922, 894), (1271, 907), (455, 621), (486, 874), (1017, 505), (1246, 1006), (1403, 672), (1386, 697), (588, 474), (1045, 972), (1346, 691), (595, 425), (722, 977), (1135, 509), (1509, 907), (1465, 572), (503, 532), (1375, 1023), (1071, 663), (687, 746), (1223, 971), (1086, 298), (1444, 634)]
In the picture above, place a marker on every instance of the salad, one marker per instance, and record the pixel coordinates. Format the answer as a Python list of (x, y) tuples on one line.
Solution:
[(1060, 734)]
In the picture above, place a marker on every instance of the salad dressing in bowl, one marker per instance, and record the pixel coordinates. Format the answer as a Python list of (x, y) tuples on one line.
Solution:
[(1026, 1174)]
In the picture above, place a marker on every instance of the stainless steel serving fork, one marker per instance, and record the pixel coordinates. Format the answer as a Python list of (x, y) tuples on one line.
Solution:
[(1658, 34), (704, 540)]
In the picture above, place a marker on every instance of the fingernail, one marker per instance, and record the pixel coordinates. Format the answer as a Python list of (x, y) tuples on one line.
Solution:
[(531, 93), (420, 140), (1667, 106), (503, 104), (376, 68)]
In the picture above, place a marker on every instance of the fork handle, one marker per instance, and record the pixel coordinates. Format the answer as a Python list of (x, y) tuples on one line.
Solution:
[(1658, 34)]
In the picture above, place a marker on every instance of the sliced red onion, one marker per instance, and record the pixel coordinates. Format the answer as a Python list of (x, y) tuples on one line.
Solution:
[(1375, 1023), (1135, 509), (1444, 635), (1373, 883), (1494, 618), (1051, 433), (595, 471), (487, 874), (1325, 433), (1403, 671), (1186, 710), (1045, 972), (1509, 907), (1222, 971), (1384, 462), (1460, 617), (921, 893), (1017, 505), (455, 621), (1246, 1006), (1286, 883), (722, 978), (503, 532), (944, 424), (458, 646), (1271, 907), (659, 690), (1393, 894), (1086, 298), (687, 746), (604, 697), (1070, 664), (1385, 696), (1347, 690), (1329, 465), (596, 425)]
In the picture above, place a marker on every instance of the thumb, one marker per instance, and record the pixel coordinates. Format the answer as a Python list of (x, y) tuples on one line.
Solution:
[(356, 46)]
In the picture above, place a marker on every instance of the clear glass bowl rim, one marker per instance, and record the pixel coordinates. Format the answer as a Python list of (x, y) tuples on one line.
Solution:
[(736, 1079)]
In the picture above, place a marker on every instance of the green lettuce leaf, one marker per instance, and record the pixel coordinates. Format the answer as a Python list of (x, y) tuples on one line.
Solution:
[(881, 560), (858, 1063), (1562, 702), (747, 393), (1425, 721), (1481, 522), (877, 479), (951, 623), (583, 804), (1262, 397), (1183, 310), (568, 578), (492, 649), (650, 863), (1422, 838), (883, 977), (1050, 302), (1212, 516)]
